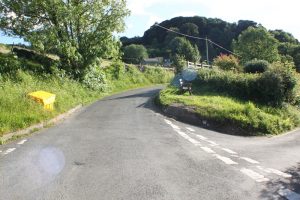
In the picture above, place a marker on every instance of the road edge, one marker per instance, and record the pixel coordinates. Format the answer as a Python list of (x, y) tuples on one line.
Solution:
[(39, 126)]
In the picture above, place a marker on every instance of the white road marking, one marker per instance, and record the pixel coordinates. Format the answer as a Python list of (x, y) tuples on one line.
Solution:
[(168, 121), (192, 140), (226, 160), (208, 150), (190, 129), (250, 160), (22, 142), (254, 175), (174, 126), (201, 137), (229, 151), (0, 151), (9, 151), (212, 143), (275, 171), (288, 194)]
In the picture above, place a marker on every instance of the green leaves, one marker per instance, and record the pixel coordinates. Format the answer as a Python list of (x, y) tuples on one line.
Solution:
[(256, 43), (78, 31), (135, 53), (183, 48)]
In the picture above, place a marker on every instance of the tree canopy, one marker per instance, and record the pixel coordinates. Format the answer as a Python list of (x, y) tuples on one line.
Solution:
[(256, 43), (182, 47), (134, 53), (79, 31)]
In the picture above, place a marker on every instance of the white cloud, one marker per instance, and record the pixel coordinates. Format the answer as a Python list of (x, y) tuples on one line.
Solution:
[(152, 19), (185, 14), (271, 14)]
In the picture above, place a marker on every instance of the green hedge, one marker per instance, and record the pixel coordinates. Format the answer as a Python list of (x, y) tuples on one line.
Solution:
[(256, 66), (273, 87)]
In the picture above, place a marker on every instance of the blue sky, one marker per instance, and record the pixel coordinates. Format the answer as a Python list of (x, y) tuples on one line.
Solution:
[(272, 14)]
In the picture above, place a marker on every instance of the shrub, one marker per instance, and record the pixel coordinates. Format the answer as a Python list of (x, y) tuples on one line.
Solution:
[(273, 87), (278, 84), (227, 62), (94, 78), (256, 66), (8, 64)]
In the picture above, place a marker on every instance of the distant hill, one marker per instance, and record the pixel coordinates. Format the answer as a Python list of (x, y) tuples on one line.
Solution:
[(156, 39)]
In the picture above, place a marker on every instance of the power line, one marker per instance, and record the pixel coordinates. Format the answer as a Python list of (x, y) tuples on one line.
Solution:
[(190, 36), (194, 37)]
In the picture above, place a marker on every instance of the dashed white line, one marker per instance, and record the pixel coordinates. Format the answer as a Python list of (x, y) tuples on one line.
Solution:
[(212, 143), (174, 126), (254, 175), (201, 137), (168, 121), (228, 151), (190, 129), (226, 160), (208, 150), (288, 194), (250, 160), (22, 142), (9, 151), (275, 171), (192, 140)]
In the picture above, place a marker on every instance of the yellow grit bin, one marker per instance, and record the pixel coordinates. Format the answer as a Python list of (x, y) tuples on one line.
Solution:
[(45, 98)]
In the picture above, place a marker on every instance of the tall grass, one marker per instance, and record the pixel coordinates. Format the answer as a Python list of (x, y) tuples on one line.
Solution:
[(17, 111)]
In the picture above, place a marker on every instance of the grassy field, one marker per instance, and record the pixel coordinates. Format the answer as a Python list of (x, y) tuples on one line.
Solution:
[(18, 112), (253, 118)]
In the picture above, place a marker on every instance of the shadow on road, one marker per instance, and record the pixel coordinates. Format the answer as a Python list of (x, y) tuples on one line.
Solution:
[(293, 183), (150, 93)]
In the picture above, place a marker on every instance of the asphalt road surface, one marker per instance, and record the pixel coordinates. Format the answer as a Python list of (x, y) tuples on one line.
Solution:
[(122, 148)]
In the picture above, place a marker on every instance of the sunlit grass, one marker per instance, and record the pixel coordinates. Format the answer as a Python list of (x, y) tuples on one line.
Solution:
[(243, 114)]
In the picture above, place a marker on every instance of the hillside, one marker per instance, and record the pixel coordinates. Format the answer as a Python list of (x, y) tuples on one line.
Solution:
[(223, 33)]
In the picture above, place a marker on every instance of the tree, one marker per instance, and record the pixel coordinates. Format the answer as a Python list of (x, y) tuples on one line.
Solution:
[(183, 48), (135, 53), (190, 29), (256, 43), (79, 31)]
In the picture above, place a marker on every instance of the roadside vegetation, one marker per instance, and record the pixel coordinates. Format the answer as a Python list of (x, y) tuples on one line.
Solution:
[(258, 94), (17, 111)]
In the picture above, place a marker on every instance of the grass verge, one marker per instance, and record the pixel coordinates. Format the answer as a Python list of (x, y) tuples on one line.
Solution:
[(255, 119), (17, 111)]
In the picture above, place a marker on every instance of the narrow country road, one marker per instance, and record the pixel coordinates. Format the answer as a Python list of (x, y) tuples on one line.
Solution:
[(122, 148)]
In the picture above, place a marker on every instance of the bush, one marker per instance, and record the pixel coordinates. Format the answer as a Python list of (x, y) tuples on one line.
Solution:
[(256, 66), (8, 64), (273, 87), (227, 62), (95, 79), (278, 84)]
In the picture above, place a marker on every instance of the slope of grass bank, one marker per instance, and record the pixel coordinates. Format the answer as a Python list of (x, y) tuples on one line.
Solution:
[(253, 118), (18, 112)]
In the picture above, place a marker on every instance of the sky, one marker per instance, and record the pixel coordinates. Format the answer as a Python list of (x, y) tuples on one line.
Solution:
[(272, 14)]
